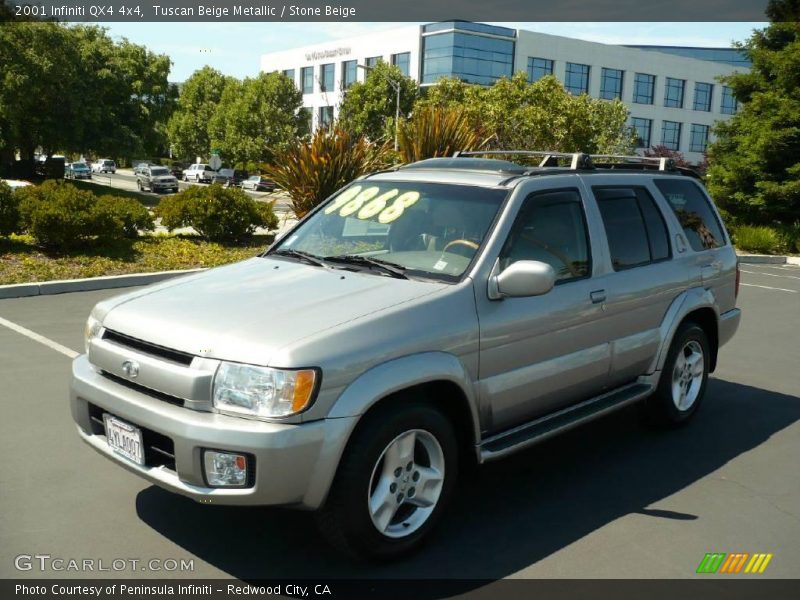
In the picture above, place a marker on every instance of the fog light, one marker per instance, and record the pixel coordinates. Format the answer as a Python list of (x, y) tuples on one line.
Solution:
[(224, 469)]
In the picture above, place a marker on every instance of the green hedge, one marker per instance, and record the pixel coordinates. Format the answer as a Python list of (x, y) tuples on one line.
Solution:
[(61, 216), (9, 210), (218, 214), (758, 238)]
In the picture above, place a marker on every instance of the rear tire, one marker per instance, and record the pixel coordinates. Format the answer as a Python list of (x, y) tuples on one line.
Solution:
[(683, 380), (393, 482)]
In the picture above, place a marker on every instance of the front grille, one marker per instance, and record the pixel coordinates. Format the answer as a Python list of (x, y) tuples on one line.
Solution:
[(142, 389), (159, 450), (175, 356)]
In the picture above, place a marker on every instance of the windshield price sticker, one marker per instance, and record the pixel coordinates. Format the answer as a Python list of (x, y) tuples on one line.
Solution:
[(367, 205), (397, 207)]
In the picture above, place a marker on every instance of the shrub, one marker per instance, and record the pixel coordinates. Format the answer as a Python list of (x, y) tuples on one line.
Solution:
[(761, 239), (437, 131), (9, 210), (131, 215), (311, 171), (791, 237), (218, 214)]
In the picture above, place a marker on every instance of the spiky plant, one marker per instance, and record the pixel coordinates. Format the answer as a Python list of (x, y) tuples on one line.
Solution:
[(311, 171), (437, 131)]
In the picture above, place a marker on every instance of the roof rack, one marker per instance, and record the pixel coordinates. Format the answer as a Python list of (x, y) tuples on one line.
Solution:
[(580, 160)]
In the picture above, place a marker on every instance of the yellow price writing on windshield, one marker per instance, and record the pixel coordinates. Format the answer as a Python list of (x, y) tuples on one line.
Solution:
[(395, 210)]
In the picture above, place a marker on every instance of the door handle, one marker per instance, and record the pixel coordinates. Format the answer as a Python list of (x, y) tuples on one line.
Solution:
[(598, 296)]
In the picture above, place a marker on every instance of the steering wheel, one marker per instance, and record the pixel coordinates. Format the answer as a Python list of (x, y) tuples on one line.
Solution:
[(573, 270), (467, 243)]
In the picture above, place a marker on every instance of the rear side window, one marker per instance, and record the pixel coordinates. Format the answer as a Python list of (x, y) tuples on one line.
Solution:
[(634, 226), (694, 213)]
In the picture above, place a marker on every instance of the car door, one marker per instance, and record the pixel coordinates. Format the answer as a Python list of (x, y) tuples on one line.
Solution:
[(539, 354)]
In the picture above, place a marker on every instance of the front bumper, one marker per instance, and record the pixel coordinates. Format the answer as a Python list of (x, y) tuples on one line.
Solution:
[(294, 464)]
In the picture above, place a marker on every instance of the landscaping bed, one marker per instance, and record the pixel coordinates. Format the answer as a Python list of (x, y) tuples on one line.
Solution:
[(22, 261)]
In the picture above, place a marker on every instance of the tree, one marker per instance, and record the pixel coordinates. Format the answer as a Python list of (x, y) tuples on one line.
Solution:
[(199, 99), (537, 116), (369, 108), (257, 116), (754, 164), (437, 131)]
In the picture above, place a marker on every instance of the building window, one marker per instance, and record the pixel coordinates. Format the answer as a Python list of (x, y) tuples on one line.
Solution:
[(349, 73), (538, 68), (611, 84), (644, 87), (671, 135), (673, 92), (289, 73), (326, 78), (325, 116), (729, 104), (577, 78), (402, 61), (699, 138), (307, 75), (702, 96), (642, 129), (309, 115), (373, 61), (468, 57)]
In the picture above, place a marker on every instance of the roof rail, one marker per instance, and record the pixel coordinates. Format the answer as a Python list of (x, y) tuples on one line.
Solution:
[(578, 160), (662, 162)]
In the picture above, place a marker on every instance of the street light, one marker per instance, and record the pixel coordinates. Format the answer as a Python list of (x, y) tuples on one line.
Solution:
[(396, 86)]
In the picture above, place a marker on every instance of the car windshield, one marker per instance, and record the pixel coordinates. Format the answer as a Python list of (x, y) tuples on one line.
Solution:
[(79, 166), (429, 229), (159, 171), (226, 172)]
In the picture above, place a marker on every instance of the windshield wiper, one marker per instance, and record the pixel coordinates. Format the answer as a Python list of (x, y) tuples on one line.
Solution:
[(393, 269), (299, 254)]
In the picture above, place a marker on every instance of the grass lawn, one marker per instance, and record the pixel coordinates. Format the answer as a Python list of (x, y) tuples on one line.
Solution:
[(21, 261), (98, 189)]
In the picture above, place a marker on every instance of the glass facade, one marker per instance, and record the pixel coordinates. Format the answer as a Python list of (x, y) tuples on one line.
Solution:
[(729, 104), (577, 78), (402, 61), (326, 83), (538, 68), (642, 129), (611, 84), (698, 141), (644, 87), (325, 116), (702, 96), (289, 73), (349, 73), (471, 58), (307, 76), (671, 135), (673, 92), (469, 26), (373, 60)]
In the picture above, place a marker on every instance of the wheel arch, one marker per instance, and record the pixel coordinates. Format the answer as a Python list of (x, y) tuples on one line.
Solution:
[(696, 305)]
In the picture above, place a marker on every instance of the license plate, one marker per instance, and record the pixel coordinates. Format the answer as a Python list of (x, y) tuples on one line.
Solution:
[(124, 439)]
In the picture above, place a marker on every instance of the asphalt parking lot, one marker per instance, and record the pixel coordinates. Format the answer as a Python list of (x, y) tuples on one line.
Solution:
[(609, 500)]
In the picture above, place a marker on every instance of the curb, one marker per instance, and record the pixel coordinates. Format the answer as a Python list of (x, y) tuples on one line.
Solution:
[(768, 259), (45, 288)]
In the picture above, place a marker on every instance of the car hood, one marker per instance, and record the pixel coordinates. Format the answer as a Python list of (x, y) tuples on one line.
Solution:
[(248, 311)]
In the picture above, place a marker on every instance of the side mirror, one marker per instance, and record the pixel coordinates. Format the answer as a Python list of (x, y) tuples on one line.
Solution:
[(524, 278)]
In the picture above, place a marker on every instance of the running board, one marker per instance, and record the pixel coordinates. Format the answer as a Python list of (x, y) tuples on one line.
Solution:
[(512, 440)]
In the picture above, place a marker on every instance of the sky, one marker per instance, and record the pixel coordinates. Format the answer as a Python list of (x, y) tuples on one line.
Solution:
[(235, 48)]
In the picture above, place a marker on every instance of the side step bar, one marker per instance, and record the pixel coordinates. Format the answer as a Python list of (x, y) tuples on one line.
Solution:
[(512, 440)]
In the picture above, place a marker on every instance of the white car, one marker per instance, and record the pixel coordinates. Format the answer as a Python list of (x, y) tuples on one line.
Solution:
[(199, 172), (16, 184), (104, 165)]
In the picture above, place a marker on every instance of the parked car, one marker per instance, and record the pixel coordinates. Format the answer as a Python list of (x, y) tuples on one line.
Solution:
[(258, 183), (77, 170), (198, 173), (489, 306), (230, 177), (177, 169), (104, 165), (155, 179)]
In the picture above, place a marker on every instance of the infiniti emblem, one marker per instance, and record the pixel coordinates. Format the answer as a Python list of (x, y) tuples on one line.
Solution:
[(131, 368)]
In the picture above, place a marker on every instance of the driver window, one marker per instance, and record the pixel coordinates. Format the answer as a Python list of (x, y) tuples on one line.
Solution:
[(551, 228)]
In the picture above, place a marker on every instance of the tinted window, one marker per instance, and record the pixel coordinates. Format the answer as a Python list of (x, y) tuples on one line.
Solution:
[(159, 171), (694, 213), (625, 228), (551, 228)]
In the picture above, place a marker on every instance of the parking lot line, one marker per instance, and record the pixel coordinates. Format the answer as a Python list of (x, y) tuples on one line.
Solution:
[(766, 287), (38, 338), (770, 274)]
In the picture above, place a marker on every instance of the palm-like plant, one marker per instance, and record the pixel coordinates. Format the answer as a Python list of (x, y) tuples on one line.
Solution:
[(311, 171), (437, 131)]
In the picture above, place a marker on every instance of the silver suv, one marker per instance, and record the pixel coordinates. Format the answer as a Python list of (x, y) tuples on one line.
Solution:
[(452, 311)]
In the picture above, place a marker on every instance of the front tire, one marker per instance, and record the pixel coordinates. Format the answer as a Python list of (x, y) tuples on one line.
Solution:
[(393, 482), (683, 379)]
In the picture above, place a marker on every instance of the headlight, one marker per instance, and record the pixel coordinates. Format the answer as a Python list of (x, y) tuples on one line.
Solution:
[(92, 330), (261, 391)]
